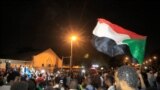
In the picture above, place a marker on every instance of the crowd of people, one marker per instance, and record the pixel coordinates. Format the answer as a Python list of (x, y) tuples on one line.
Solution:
[(122, 78)]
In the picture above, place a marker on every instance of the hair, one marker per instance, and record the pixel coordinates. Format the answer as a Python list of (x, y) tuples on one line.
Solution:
[(40, 75), (33, 80), (19, 86), (31, 85), (129, 75)]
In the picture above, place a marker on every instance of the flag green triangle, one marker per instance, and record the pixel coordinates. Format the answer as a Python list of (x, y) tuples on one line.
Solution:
[(137, 48)]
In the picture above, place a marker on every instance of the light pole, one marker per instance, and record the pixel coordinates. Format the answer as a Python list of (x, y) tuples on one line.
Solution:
[(73, 38), (155, 57)]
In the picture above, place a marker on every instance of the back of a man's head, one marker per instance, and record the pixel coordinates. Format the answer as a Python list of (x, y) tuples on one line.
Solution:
[(19, 86), (31, 85), (128, 75), (73, 84)]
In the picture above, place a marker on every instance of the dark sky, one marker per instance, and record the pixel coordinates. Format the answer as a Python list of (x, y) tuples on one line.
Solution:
[(34, 25)]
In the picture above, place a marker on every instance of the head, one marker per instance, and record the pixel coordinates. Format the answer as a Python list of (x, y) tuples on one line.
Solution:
[(109, 80), (151, 72), (31, 85), (73, 84), (56, 81), (126, 78), (40, 75), (50, 83), (88, 80), (33, 80), (19, 86), (17, 79)]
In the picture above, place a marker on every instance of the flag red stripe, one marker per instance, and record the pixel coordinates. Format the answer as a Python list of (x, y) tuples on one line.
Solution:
[(121, 30)]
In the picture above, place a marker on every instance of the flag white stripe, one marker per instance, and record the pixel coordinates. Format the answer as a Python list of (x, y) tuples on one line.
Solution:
[(104, 30)]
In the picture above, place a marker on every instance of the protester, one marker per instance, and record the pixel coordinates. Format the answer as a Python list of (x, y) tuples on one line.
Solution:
[(40, 79), (150, 78), (89, 86), (110, 83), (158, 81), (31, 85), (19, 86), (2, 86), (126, 78), (73, 85)]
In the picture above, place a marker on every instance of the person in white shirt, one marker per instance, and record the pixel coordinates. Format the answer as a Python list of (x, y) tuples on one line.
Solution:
[(102, 80), (150, 77), (88, 84)]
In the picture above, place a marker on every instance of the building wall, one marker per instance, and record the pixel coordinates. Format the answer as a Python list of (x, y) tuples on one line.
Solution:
[(14, 62)]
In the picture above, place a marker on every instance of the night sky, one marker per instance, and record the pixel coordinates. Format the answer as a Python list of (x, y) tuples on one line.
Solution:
[(35, 25)]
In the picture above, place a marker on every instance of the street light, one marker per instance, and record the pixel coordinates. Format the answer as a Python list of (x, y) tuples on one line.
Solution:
[(126, 58), (73, 38), (102, 68), (154, 57)]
